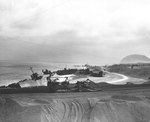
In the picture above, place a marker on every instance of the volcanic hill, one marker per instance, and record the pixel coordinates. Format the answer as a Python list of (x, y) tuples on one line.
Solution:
[(135, 58)]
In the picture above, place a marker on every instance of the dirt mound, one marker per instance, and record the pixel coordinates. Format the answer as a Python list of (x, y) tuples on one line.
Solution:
[(126, 97), (93, 85), (118, 108)]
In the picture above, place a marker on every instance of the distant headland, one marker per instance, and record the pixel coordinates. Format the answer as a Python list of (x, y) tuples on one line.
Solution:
[(135, 58)]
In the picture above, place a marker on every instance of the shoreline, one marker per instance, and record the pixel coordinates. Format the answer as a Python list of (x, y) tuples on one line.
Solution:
[(111, 78)]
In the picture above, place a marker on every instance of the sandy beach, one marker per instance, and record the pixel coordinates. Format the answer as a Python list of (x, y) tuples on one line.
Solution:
[(112, 78)]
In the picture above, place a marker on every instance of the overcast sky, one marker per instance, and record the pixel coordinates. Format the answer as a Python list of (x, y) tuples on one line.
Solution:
[(86, 31)]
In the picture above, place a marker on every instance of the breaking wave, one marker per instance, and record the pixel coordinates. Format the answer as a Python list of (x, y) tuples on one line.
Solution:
[(114, 109)]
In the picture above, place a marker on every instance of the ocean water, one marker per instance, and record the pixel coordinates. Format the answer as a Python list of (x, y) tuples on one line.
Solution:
[(12, 71)]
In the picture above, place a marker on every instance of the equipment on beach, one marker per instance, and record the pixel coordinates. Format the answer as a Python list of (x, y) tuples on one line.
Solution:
[(35, 76)]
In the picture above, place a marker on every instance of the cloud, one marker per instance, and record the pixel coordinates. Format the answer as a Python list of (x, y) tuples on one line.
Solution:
[(27, 24), (93, 18), (67, 46), (74, 30)]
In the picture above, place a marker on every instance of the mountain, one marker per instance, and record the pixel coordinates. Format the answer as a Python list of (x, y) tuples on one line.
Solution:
[(135, 58)]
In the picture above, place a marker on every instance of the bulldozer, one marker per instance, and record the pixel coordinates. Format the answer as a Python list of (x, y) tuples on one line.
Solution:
[(86, 85)]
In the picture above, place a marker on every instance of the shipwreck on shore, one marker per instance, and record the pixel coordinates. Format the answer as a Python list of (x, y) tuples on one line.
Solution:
[(48, 82)]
